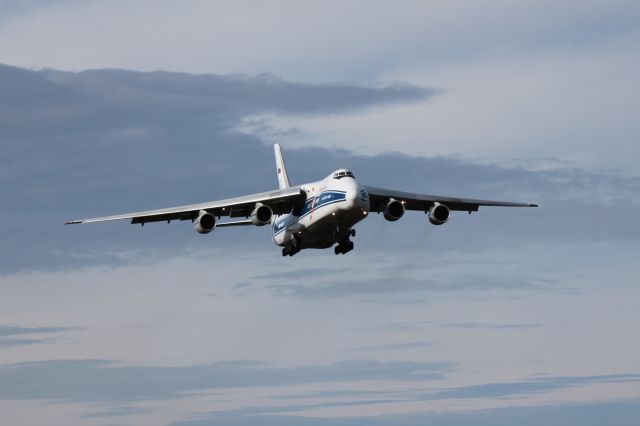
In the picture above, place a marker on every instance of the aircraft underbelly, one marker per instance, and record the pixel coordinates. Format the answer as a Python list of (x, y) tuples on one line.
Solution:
[(321, 231)]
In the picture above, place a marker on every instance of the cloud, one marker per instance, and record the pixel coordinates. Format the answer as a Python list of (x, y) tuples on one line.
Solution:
[(8, 343), (196, 36), (615, 413), (11, 330), (503, 106), (8, 333), (507, 390), (539, 385), (398, 281), (105, 381), (116, 411), (118, 100), (462, 325), (391, 347), (355, 398), (108, 384), (389, 285), (509, 70)]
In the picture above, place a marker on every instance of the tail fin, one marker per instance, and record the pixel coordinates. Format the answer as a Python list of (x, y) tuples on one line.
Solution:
[(283, 178)]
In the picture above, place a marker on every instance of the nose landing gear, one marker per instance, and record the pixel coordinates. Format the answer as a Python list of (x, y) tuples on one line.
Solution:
[(292, 248)]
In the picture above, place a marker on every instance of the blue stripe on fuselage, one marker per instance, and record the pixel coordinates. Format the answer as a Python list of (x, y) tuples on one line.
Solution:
[(324, 198)]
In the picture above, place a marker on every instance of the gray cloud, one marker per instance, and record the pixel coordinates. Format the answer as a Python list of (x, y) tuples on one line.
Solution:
[(7, 343), (105, 381), (506, 390), (8, 335), (337, 285), (243, 412), (538, 385), (65, 103), (462, 325), (360, 44), (12, 330), (482, 325), (391, 347), (365, 397), (116, 411), (11, 8), (615, 413)]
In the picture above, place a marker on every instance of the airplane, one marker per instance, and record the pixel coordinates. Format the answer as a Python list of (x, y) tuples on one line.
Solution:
[(314, 215)]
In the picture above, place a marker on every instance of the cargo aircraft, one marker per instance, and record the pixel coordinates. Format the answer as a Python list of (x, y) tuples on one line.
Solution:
[(318, 215)]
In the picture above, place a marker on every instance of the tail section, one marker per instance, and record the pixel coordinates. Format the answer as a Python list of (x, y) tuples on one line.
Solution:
[(283, 178)]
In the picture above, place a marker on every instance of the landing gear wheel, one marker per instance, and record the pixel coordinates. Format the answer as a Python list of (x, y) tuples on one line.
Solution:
[(343, 247), (352, 233), (284, 251)]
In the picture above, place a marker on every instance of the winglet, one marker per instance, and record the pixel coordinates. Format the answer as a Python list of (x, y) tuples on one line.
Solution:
[(283, 178)]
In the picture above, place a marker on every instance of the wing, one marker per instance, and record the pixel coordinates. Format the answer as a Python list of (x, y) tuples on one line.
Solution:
[(379, 197), (280, 201)]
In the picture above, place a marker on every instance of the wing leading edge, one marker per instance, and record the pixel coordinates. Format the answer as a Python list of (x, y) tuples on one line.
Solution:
[(281, 202), (379, 197)]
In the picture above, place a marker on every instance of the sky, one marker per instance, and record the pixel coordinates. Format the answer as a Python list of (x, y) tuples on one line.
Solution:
[(505, 316)]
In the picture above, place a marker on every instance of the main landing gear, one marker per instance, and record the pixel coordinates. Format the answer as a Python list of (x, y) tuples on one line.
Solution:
[(345, 245)]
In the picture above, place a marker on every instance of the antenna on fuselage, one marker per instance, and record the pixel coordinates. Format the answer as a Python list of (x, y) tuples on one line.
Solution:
[(283, 178)]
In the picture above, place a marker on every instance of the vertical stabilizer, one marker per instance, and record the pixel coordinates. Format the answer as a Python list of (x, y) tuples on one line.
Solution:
[(283, 178)]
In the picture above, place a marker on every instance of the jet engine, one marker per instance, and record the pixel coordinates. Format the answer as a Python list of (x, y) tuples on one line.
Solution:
[(205, 222), (261, 215), (393, 210), (438, 214)]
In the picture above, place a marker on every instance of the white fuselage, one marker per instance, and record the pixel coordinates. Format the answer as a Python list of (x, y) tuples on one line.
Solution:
[(333, 205)]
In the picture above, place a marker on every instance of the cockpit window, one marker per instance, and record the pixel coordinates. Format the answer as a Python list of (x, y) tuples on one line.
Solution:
[(343, 173)]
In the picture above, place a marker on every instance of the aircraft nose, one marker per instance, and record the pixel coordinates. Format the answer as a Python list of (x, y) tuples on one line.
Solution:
[(352, 192), (354, 196)]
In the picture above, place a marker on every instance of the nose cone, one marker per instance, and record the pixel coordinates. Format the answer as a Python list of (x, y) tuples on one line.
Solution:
[(357, 197), (351, 187)]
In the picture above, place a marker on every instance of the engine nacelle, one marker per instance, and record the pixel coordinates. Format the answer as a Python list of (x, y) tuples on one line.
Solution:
[(261, 215), (394, 210), (438, 214), (205, 222)]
